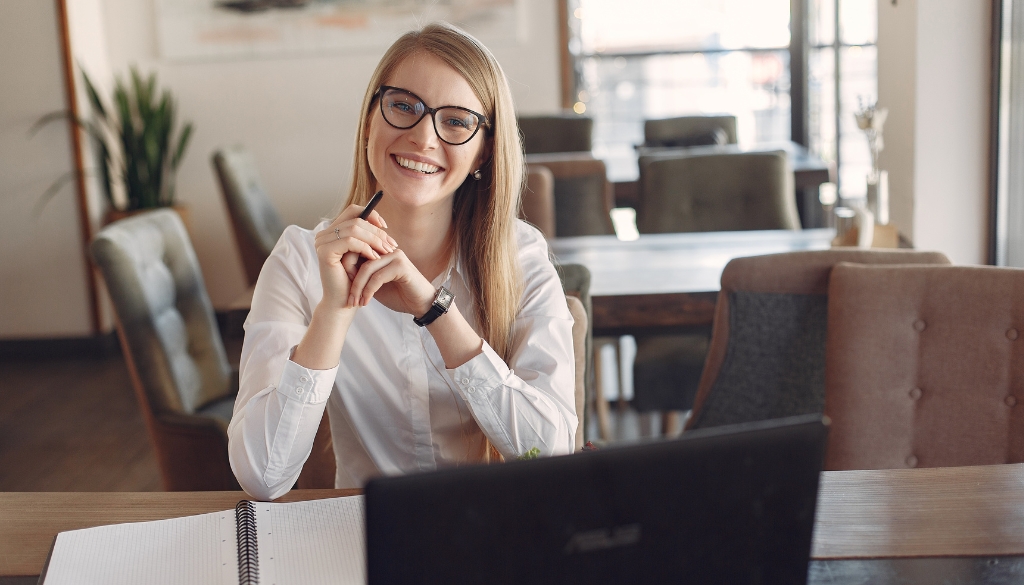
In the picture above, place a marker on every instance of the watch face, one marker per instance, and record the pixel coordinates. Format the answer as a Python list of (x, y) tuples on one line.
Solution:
[(444, 297)]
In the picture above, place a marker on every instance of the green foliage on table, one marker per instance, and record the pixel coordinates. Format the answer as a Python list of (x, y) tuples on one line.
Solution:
[(531, 454), (134, 142)]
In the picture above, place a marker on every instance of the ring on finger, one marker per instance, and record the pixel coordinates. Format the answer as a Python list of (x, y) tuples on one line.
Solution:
[(337, 232)]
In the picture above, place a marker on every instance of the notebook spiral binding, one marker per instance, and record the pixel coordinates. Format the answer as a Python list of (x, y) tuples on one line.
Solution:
[(248, 557)]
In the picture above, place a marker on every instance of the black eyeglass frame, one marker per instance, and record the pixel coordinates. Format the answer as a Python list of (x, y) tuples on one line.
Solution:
[(484, 122)]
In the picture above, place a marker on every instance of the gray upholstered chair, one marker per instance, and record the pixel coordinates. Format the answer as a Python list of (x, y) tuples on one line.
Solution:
[(180, 372), (568, 132), (538, 202), (576, 283), (583, 195), (256, 224), (686, 131), (923, 366), (690, 191), (693, 191), (767, 356)]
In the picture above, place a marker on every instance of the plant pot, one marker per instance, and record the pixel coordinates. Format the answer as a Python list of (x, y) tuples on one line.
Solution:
[(182, 211)]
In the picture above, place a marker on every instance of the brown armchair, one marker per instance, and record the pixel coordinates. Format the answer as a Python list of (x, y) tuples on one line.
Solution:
[(179, 370), (538, 201), (583, 195), (254, 220), (923, 366), (767, 355)]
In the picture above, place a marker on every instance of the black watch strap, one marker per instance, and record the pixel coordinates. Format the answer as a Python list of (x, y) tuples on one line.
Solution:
[(442, 301)]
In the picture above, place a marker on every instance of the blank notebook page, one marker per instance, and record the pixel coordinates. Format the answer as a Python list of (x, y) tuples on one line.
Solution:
[(310, 543), (179, 550)]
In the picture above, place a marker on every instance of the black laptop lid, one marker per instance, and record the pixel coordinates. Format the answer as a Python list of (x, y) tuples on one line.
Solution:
[(724, 505)]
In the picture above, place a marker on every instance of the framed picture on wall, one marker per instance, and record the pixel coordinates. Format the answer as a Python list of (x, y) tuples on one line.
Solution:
[(253, 29)]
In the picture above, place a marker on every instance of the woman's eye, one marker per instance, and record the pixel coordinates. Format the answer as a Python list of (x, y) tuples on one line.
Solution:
[(457, 123), (403, 107)]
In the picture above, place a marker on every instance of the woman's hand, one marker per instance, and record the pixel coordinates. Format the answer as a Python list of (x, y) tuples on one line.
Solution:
[(395, 282), (339, 248)]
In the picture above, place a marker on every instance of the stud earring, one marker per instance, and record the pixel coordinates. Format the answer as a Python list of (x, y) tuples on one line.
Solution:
[(477, 174)]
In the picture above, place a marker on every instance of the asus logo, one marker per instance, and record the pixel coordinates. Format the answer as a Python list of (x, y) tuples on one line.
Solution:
[(603, 538)]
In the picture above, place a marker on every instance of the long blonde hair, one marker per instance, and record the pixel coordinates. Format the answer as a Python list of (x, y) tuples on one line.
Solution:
[(484, 211)]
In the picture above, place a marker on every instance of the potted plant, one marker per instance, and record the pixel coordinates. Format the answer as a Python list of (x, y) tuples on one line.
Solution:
[(137, 150)]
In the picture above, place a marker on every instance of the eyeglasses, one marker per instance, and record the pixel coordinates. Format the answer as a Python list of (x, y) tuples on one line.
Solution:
[(453, 124)]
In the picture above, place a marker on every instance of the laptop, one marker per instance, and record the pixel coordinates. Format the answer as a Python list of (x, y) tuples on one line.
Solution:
[(730, 504)]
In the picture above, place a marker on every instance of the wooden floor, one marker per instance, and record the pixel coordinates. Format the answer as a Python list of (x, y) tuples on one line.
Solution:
[(72, 425)]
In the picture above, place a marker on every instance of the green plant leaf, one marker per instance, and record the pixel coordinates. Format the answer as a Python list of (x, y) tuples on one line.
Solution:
[(94, 96), (186, 133)]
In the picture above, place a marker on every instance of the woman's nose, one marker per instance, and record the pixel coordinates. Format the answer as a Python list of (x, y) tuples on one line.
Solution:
[(423, 134)]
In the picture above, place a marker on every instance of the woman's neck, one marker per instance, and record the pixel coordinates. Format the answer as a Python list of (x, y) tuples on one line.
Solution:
[(424, 234)]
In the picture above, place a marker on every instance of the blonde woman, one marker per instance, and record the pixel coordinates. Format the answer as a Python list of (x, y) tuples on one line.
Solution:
[(435, 331)]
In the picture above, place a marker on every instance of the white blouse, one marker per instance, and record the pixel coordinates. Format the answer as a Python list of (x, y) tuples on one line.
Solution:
[(394, 407)]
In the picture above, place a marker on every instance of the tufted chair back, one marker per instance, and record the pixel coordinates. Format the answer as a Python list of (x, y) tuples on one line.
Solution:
[(171, 343), (256, 224), (687, 191), (767, 353), (925, 366)]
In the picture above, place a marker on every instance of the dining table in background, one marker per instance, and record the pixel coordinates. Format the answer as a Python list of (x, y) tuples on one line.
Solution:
[(906, 526), (668, 283)]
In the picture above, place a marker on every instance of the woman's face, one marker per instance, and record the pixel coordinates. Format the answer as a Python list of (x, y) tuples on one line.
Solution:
[(414, 167)]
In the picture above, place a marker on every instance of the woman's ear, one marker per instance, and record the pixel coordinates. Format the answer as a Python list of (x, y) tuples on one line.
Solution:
[(485, 155)]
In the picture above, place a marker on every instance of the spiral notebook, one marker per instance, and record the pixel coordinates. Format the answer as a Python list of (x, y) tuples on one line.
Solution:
[(257, 543)]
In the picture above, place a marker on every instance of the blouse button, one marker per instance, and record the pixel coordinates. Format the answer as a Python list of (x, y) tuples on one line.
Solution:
[(465, 380), (298, 391), (303, 379)]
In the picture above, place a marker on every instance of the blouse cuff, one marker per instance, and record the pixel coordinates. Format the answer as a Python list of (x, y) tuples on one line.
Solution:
[(477, 377), (305, 385)]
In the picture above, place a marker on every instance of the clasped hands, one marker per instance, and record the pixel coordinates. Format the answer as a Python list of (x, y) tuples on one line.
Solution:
[(359, 261)]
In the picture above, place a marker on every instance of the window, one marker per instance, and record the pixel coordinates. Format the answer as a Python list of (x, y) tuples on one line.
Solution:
[(647, 59)]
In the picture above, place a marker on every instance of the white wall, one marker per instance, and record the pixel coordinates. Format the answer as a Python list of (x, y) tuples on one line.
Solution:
[(934, 77), (43, 286), (297, 115)]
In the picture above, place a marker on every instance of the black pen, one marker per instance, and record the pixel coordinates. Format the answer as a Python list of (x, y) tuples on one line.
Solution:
[(369, 206)]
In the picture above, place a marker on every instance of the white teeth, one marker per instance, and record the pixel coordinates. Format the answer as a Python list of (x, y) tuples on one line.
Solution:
[(417, 166)]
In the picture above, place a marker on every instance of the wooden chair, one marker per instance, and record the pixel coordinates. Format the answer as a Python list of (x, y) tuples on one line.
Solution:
[(924, 366), (685, 131), (255, 222), (568, 132), (179, 370), (767, 353)]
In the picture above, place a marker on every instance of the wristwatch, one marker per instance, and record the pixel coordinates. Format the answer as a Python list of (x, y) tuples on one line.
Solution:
[(442, 301)]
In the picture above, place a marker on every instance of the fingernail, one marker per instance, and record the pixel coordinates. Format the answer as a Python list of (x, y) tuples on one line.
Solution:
[(393, 242), (351, 300), (383, 223)]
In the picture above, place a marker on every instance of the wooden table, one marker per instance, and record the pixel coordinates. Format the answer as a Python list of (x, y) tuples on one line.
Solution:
[(868, 522), (665, 283)]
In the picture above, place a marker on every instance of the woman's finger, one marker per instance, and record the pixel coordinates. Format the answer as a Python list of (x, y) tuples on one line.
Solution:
[(361, 229), (385, 274), (350, 262), (366, 271), (339, 248)]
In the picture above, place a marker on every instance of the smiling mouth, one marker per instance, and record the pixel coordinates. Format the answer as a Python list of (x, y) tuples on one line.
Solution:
[(426, 169)]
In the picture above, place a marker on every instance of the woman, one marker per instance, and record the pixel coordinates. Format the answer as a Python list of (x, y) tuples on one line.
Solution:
[(437, 134)]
